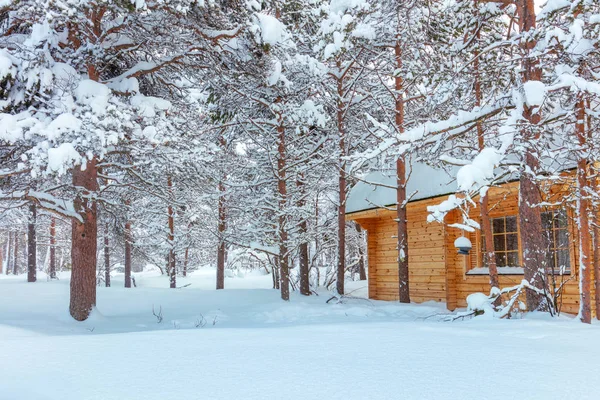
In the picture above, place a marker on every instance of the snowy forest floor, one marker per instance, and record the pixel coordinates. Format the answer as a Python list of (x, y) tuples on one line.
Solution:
[(248, 344)]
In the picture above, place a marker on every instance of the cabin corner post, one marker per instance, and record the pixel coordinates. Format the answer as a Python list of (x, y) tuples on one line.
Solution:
[(371, 266)]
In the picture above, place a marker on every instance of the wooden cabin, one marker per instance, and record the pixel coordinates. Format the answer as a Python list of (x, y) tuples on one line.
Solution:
[(436, 270)]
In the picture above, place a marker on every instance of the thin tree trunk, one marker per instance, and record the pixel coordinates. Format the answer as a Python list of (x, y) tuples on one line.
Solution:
[(16, 255), (585, 267), (128, 242), (53, 248), (221, 225), (185, 260), (9, 249), (1, 259), (401, 218), (303, 253), (284, 273), (84, 243), (362, 272), (341, 262), (172, 266), (31, 244), (597, 252), (106, 257), (486, 223)]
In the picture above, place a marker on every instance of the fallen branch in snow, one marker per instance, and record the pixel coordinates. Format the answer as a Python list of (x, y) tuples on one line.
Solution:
[(158, 316), (445, 317), (200, 322), (342, 299)]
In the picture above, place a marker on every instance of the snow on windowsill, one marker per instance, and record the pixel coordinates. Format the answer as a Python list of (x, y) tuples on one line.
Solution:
[(508, 271), (501, 271)]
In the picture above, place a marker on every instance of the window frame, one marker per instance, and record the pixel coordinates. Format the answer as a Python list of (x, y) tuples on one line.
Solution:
[(571, 246)]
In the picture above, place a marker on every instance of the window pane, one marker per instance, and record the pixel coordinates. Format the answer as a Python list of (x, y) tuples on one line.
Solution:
[(499, 243), (562, 239), (550, 260), (564, 261), (512, 259), (498, 225), (548, 240), (501, 259), (512, 241), (511, 224), (560, 219)]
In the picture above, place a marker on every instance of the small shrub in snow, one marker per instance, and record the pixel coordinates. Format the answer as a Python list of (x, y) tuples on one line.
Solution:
[(482, 304)]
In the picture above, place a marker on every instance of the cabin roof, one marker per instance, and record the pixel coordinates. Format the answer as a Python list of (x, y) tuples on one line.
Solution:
[(377, 189)]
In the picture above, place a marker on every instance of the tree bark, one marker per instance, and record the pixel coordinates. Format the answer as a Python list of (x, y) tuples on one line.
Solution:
[(31, 245), (486, 224), (529, 195), (341, 262), (221, 225), (585, 267), (128, 242), (303, 254), (53, 248), (9, 249), (16, 254), (284, 273), (185, 260), (596, 245), (106, 257), (84, 243), (401, 218), (172, 266), (531, 237)]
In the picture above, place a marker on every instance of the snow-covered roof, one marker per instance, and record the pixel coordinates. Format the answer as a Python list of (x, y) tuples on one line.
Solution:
[(377, 189)]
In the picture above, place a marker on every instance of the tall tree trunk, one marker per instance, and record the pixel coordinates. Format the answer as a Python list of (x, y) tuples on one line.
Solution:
[(16, 255), (185, 260), (303, 254), (401, 218), (362, 272), (31, 244), (84, 243), (531, 236), (341, 262), (9, 248), (530, 218), (53, 248), (221, 224), (486, 224), (128, 242), (172, 265), (585, 267), (284, 273), (597, 253), (106, 257), (1, 259)]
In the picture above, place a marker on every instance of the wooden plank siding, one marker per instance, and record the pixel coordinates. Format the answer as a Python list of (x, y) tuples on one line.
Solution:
[(436, 271), (426, 253)]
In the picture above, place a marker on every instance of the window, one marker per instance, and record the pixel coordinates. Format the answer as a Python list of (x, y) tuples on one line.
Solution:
[(556, 232), (506, 241)]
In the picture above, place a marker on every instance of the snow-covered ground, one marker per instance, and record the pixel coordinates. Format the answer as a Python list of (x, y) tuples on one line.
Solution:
[(247, 344)]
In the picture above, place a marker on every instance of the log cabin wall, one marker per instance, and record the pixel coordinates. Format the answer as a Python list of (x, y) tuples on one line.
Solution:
[(426, 253), (436, 271), (503, 202)]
